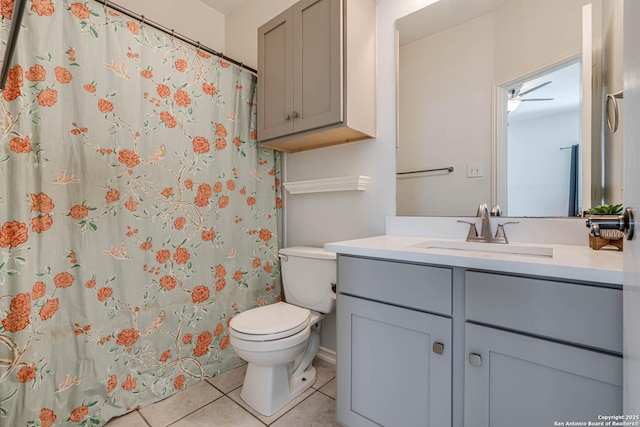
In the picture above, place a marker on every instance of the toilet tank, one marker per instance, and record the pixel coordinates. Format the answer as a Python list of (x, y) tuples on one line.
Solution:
[(308, 277)]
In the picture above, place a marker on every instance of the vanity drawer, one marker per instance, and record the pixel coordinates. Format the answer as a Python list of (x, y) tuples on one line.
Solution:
[(414, 286), (575, 313)]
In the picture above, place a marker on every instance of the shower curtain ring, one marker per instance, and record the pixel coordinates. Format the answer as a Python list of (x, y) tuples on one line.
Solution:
[(141, 21), (172, 34)]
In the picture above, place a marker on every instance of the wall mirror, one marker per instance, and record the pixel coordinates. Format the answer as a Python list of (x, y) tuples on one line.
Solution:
[(463, 65)]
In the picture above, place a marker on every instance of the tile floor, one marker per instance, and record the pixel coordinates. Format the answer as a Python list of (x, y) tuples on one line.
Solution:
[(216, 402)]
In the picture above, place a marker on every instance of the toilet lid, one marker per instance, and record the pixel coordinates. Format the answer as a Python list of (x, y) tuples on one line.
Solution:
[(276, 321)]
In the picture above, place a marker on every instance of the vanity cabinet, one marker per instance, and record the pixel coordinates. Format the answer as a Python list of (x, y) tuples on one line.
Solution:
[(514, 379), (316, 84), (425, 345), (540, 351), (394, 344)]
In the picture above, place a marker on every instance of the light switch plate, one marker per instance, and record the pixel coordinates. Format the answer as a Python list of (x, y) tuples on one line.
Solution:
[(474, 170)]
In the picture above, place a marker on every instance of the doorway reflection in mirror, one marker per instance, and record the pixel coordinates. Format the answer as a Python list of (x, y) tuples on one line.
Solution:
[(543, 119)]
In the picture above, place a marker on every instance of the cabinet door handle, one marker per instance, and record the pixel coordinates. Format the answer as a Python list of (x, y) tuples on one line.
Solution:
[(296, 115), (475, 360), (438, 348), (287, 117)]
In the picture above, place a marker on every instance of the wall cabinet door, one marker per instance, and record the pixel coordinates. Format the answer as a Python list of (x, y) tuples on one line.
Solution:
[(393, 367), (300, 65), (513, 379), (317, 64), (275, 62)]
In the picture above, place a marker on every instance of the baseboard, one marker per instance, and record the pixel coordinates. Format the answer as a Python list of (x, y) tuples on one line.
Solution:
[(326, 355)]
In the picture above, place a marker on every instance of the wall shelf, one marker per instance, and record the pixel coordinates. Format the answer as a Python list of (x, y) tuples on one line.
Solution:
[(345, 183)]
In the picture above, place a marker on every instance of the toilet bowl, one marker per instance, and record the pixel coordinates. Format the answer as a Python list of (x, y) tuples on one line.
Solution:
[(279, 341), (279, 361)]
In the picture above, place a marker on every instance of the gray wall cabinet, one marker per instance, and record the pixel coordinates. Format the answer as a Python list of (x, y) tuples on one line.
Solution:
[(316, 83)]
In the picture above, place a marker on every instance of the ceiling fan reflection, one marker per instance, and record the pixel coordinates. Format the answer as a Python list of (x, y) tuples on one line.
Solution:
[(515, 96)]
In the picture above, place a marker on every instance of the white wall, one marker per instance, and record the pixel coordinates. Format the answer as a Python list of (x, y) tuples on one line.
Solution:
[(192, 18), (242, 24), (538, 40), (539, 171), (445, 119)]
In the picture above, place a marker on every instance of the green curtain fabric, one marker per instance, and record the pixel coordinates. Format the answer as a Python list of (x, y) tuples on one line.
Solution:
[(138, 215)]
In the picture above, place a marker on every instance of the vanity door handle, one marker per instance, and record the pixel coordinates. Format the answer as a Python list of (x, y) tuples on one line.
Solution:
[(287, 117), (438, 348), (475, 360)]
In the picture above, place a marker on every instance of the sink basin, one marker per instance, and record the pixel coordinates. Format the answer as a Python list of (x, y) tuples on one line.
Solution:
[(510, 248)]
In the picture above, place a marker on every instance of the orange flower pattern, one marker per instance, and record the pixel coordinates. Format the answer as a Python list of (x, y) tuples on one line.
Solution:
[(112, 383), (6, 8), (112, 195), (204, 341), (47, 311), (26, 374), (201, 145), (208, 89), (42, 7), (129, 158), (63, 280), (41, 202), (37, 73), (14, 83), (178, 383), (105, 106), (13, 233), (118, 240), (200, 294), (47, 417), (63, 75), (182, 98), (79, 10), (48, 97), (79, 413), (163, 90), (41, 223), (104, 293), (128, 337), (133, 27), (78, 212), (38, 290), (129, 383)]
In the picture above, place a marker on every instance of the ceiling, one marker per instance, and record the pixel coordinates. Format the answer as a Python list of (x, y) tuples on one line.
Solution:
[(223, 6), (439, 16)]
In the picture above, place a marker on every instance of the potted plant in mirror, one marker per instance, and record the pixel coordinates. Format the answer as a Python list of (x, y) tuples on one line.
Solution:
[(607, 237)]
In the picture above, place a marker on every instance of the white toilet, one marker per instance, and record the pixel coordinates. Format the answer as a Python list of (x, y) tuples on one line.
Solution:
[(279, 341)]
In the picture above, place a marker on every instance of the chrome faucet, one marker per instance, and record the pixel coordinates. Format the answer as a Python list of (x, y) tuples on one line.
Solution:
[(483, 213), (486, 235)]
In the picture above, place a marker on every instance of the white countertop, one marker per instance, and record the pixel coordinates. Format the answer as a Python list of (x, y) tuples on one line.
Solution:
[(579, 263)]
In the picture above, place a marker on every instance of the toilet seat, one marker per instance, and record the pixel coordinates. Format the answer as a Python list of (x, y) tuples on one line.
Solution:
[(270, 322)]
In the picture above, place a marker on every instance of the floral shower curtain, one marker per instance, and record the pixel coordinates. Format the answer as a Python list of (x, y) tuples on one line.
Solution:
[(137, 215)]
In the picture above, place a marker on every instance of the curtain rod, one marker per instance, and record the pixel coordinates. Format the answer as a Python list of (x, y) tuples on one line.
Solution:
[(172, 33)]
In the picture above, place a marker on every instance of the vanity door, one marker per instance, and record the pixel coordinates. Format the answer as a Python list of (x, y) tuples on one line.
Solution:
[(513, 379), (394, 365)]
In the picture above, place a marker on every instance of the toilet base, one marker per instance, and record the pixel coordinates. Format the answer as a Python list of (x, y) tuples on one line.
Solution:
[(269, 389)]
